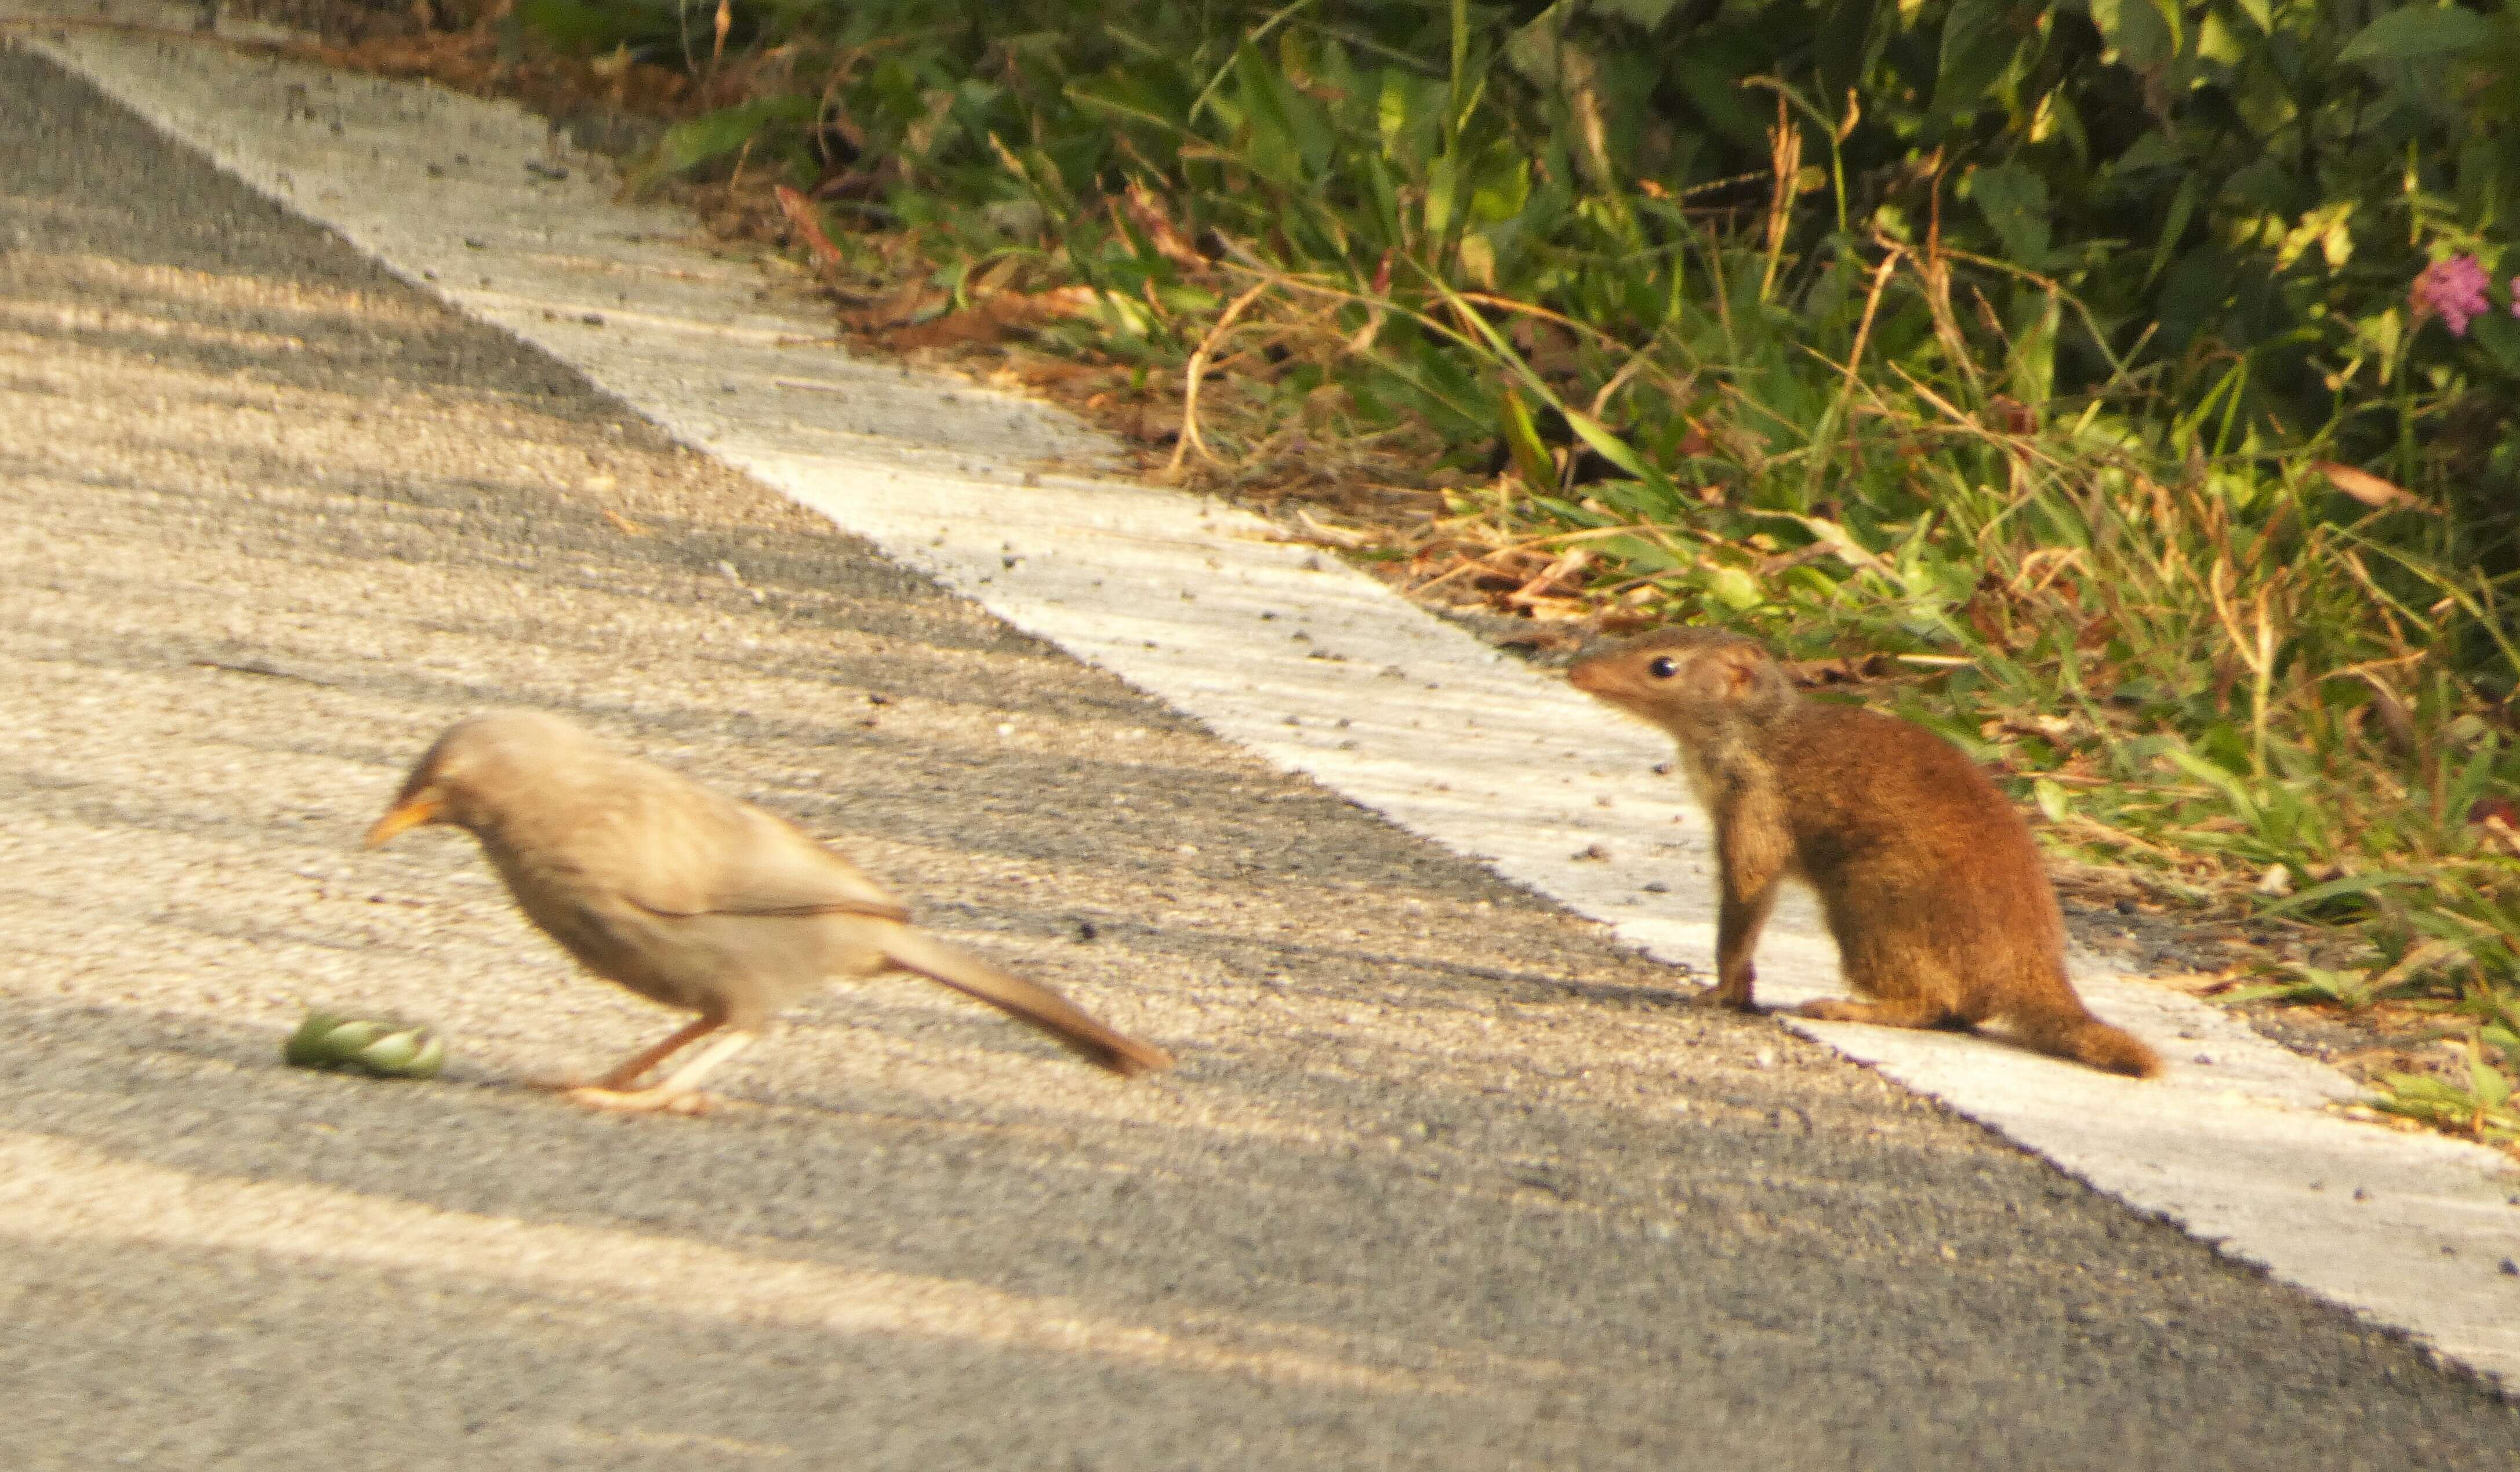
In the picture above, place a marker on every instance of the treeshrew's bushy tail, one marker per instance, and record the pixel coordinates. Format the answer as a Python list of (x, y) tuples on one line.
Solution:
[(2085, 1039)]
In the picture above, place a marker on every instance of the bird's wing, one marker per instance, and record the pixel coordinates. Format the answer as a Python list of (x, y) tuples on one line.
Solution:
[(766, 867)]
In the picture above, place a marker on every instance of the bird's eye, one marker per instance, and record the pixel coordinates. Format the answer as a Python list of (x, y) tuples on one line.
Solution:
[(1663, 667)]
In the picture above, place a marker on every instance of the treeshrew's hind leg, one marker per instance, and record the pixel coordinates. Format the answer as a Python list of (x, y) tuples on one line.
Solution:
[(1905, 1012)]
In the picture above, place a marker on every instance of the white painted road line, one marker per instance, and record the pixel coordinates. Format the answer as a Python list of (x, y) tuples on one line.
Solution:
[(1313, 665)]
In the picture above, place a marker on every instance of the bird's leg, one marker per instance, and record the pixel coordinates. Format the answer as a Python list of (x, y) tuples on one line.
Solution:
[(636, 1066), (679, 1093)]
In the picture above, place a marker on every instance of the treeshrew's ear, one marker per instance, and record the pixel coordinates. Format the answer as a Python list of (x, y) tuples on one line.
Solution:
[(1736, 669)]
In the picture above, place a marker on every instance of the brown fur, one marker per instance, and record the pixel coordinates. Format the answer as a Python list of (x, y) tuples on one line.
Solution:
[(1929, 879)]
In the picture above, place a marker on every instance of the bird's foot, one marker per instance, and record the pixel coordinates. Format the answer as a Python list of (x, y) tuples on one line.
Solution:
[(657, 1100), (571, 1083)]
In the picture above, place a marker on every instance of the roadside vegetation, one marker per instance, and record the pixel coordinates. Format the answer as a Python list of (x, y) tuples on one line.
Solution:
[(2126, 390)]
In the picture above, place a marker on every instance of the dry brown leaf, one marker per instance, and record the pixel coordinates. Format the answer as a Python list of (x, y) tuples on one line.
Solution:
[(908, 302), (1843, 669), (1548, 587), (2368, 488), (1048, 374), (808, 224), (2397, 723), (1159, 228), (993, 318), (1545, 638)]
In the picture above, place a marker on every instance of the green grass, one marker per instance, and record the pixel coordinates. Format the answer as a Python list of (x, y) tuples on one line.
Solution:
[(2226, 608)]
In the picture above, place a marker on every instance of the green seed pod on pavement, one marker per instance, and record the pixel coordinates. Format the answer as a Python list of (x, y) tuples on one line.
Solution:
[(380, 1049)]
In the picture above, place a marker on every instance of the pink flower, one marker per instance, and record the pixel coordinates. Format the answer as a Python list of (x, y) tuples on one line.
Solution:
[(2455, 288)]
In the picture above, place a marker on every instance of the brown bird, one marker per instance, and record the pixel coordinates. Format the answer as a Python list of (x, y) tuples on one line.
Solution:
[(1929, 879), (690, 897)]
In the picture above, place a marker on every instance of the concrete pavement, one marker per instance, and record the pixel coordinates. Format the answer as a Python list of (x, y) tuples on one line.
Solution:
[(1446, 1179)]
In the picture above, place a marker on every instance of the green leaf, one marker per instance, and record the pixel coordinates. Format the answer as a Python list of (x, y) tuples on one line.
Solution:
[(1610, 446), (2174, 224), (2220, 41), (1443, 177), (2220, 781), (1181, 299), (2496, 335), (2492, 1085), (2417, 33), (1268, 141), (2135, 31), (1641, 554), (574, 26), (1503, 190), (2014, 201), (2351, 885), (1978, 43), (2033, 367), (714, 135), (1715, 91), (1734, 588), (1392, 109), (1523, 442), (1645, 12)]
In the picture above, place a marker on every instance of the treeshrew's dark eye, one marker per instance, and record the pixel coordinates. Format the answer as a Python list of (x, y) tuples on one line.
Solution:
[(1663, 667)]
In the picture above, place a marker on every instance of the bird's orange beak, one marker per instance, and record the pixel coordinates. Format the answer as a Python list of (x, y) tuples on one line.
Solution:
[(410, 813)]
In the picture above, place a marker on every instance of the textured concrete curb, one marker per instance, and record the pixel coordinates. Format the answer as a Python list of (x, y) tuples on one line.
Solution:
[(1311, 664)]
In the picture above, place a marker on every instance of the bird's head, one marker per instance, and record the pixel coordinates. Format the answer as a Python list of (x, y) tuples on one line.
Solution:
[(466, 777)]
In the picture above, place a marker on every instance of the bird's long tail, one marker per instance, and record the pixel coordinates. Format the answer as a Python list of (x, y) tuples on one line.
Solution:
[(1039, 1005)]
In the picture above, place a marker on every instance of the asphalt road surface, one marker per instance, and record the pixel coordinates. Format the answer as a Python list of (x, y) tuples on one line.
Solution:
[(1443, 1179)]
